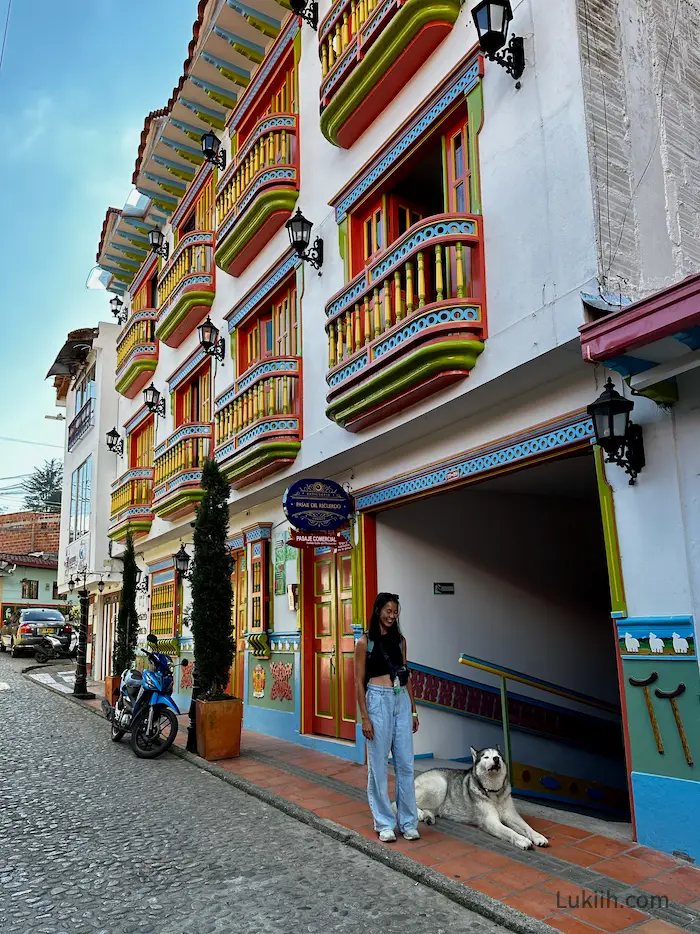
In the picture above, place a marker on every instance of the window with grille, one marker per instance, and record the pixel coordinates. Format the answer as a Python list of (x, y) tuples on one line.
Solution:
[(30, 590), (163, 609)]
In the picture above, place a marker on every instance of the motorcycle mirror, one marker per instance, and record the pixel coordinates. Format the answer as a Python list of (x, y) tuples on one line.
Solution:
[(151, 639), (184, 663)]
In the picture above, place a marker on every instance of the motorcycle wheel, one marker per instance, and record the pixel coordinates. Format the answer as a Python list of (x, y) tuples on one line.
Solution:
[(162, 737), (41, 657), (116, 734)]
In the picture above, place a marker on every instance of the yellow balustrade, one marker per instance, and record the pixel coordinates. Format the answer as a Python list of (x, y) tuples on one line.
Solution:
[(185, 454), (269, 397), (140, 300), (278, 147), (163, 609), (351, 17), (193, 258), (206, 203), (138, 332), (134, 492), (434, 274)]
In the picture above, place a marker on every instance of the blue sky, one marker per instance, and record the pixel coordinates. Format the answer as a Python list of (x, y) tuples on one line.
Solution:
[(78, 78)]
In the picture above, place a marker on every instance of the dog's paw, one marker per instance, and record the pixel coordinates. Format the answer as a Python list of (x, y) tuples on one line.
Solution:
[(523, 843), (429, 819), (539, 840)]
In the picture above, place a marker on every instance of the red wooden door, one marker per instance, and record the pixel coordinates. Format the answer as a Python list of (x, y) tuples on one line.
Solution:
[(238, 624), (332, 647)]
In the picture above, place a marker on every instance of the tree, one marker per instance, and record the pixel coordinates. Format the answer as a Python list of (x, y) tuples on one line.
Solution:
[(211, 587), (127, 632), (43, 488)]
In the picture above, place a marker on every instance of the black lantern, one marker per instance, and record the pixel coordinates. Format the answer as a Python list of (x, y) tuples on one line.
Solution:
[(101, 585), (117, 306), (71, 585), (211, 147), (182, 563), (620, 438), (114, 442), (158, 243), (492, 19), (153, 402), (307, 9), (209, 339), (300, 237)]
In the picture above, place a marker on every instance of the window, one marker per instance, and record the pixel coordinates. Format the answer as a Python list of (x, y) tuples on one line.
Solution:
[(85, 391), (56, 595), (458, 171), (274, 332), (193, 403), (80, 500), (30, 590), (141, 446)]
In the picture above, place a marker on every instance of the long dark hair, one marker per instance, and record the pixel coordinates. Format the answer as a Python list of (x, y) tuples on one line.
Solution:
[(374, 630)]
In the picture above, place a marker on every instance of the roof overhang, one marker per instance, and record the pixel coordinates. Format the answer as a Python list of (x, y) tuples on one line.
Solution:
[(73, 353)]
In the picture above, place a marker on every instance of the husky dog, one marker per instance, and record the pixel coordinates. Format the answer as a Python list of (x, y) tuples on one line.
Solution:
[(478, 795)]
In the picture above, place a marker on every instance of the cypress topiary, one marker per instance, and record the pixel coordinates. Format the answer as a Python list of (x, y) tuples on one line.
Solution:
[(127, 634), (212, 567)]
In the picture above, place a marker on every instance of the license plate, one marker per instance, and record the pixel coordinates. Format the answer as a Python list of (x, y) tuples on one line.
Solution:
[(49, 631)]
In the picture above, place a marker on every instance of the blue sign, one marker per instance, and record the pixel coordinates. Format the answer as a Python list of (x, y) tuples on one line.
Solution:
[(317, 506)]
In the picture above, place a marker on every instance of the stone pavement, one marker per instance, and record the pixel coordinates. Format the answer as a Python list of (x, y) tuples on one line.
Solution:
[(586, 882)]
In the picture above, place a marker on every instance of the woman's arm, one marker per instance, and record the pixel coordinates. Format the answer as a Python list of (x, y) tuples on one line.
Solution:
[(360, 663), (409, 686)]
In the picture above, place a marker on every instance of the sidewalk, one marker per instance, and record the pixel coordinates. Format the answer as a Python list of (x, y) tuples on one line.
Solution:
[(582, 884)]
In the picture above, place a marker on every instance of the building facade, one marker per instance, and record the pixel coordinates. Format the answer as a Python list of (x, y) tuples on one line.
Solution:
[(28, 580), (471, 225)]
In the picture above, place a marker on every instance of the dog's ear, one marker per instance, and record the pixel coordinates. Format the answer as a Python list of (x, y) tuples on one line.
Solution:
[(498, 748), (474, 754)]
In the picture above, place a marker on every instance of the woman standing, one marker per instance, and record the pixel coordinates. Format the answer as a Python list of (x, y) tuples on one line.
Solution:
[(389, 719)]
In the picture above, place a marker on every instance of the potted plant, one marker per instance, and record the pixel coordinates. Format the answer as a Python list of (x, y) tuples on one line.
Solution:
[(126, 636), (219, 716)]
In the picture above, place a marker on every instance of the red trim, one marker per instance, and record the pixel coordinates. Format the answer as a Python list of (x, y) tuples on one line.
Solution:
[(105, 225), (414, 55), (370, 562), (143, 377), (260, 239), (625, 728), (402, 402), (652, 319), (195, 315)]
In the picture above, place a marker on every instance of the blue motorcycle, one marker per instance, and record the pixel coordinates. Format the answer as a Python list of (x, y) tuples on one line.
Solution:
[(145, 707)]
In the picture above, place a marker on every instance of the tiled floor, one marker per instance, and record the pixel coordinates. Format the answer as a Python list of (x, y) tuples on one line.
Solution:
[(563, 904)]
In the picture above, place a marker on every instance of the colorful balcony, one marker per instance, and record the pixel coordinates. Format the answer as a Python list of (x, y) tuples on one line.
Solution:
[(258, 192), (369, 49), (178, 470), (410, 324), (137, 353), (81, 424), (258, 421), (186, 287), (132, 509)]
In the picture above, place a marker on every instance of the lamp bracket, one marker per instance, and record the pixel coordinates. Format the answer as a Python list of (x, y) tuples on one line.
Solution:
[(314, 255), (631, 458), (219, 160), (511, 58), (310, 14), (217, 350)]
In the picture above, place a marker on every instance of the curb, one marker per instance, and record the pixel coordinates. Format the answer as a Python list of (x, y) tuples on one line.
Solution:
[(473, 900)]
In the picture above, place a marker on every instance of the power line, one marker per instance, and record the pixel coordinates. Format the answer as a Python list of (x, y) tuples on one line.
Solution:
[(4, 38), (37, 443)]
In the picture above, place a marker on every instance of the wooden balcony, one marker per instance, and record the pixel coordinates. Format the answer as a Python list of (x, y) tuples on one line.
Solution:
[(369, 49), (258, 421), (137, 353), (257, 194), (132, 509), (186, 287), (178, 470), (410, 324)]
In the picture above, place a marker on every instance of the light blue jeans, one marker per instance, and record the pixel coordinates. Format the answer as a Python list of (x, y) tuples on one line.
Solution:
[(392, 720)]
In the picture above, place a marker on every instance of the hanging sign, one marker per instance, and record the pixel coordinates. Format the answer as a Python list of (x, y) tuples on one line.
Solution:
[(335, 540), (317, 506)]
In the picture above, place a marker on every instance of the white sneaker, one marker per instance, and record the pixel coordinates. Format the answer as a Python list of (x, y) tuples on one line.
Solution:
[(387, 836), (411, 835)]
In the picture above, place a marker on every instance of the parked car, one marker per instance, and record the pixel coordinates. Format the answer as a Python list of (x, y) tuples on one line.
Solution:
[(26, 632)]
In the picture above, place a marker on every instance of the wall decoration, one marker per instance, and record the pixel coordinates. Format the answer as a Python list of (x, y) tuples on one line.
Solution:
[(671, 696), (187, 676), (668, 638), (280, 561), (645, 683), (281, 673), (258, 681)]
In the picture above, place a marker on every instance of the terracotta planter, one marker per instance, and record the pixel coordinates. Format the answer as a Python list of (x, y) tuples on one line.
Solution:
[(112, 683), (219, 726)]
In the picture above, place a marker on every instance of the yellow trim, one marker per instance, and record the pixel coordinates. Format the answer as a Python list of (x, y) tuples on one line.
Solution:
[(618, 601)]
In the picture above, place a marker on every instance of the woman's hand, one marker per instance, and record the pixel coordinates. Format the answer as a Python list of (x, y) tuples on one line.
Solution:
[(367, 728), (415, 723)]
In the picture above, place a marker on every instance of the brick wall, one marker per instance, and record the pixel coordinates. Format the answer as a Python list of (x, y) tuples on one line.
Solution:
[(641, 80), (24, 532)]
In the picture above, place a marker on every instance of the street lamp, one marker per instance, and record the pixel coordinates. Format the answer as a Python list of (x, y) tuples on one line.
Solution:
[(619, 437), (80, 687), (209, 340), (213, 153), (153, 401), (299, 229), (117, 306), (101, 585), (492, 19), (307, 9), (182, 563), (115, 444), (158, 243)]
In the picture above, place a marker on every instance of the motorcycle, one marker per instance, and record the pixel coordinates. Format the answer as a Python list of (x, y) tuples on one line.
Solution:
[(51, 648), (144, 707)]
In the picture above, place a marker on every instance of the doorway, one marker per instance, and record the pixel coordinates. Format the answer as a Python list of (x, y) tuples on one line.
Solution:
[(329, 645), (239, 606), (109, 619)]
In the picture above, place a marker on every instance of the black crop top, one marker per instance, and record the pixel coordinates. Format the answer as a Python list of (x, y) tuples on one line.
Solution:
[(376, 665)]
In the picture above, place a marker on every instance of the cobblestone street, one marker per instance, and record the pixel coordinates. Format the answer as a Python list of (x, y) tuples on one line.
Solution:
[(94, 840)]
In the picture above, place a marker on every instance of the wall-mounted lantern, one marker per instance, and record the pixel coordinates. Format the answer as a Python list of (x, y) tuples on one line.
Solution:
[(307, 9), (300, 237), (158, 243), (117, 306), (213, 153), (620, 438), (115, 443), (153, 401), (182, 563), (209, 339), (492, 19)]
